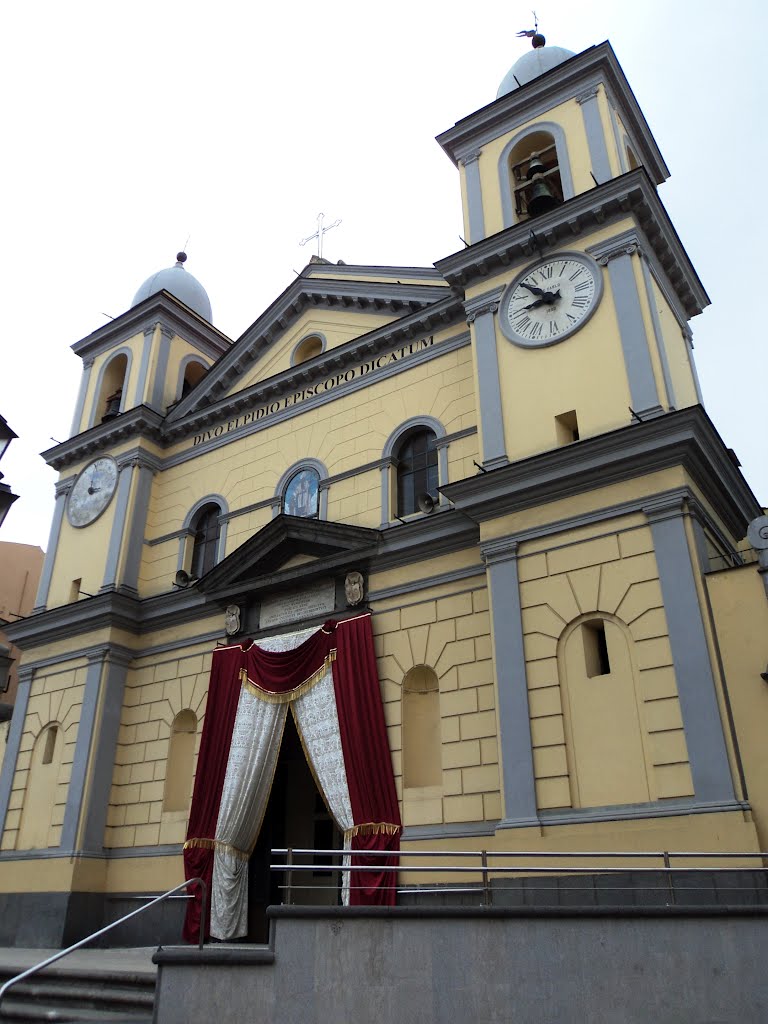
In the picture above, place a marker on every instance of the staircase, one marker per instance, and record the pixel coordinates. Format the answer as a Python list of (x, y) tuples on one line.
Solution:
[(110, 986)]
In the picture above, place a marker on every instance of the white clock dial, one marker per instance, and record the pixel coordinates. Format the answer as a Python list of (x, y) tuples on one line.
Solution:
[(92, 491), (551, 300)]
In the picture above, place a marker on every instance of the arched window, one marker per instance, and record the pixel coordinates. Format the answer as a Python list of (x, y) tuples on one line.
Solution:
[(205, 539), (181, 757), (308, 348), (534, 172), (192, 373), (422, 765), (605, 735), (535, 175), (110, 393), (417, 472), (40, 795), (632, 160), (300, 491)]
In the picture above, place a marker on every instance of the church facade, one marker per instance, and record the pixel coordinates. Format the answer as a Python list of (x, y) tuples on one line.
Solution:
[(503, 457)]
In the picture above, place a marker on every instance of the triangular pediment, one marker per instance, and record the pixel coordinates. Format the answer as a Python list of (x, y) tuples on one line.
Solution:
[(342, 303), (287, 549)]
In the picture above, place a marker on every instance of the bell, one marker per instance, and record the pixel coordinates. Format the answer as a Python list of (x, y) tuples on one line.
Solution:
[(535, 166), (541, 198), (112, 406)]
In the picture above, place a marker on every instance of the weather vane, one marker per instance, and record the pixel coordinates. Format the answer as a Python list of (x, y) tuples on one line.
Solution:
[(532, 33), (321, 230)]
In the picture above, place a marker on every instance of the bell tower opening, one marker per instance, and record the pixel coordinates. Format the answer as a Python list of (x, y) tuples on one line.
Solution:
[(535, 175), (297, 818)]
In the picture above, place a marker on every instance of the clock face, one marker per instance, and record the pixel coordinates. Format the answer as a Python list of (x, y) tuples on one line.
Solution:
[(92, 491), (551, 300)]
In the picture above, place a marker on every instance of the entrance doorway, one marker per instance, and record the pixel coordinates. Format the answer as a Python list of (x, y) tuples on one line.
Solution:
[(296, 817)]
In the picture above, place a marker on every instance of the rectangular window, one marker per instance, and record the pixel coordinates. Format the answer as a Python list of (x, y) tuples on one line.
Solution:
[(595, 649), (567, 427)]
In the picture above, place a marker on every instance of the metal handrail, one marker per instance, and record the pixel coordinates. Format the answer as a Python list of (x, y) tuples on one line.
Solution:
[(108, 928), (486, 866)]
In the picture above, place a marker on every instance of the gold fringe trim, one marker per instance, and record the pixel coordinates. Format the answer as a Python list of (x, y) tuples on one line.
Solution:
[(289, 695), (373, 828), (215, 844)]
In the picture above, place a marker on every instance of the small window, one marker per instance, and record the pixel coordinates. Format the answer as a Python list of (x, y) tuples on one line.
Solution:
[(417, 472), (49, 747), (74, 590), (596, 657), (632, 159), (181, 757), (300, 497), (206, 531), (307, 348), (567, 427), (535, 175)]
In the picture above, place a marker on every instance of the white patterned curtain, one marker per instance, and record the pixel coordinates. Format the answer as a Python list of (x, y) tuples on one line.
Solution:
[(256, 737), (318, 723)]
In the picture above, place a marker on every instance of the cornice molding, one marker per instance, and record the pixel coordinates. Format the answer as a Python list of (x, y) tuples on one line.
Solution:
[(305, 293), (487, 302), (446, 311), (140, 422), (593, 67), (685, 438), (630, 194), (162, 308)]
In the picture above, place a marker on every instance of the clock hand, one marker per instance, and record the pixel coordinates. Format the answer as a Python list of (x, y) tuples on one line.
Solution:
[(532, 288), (534, 305)]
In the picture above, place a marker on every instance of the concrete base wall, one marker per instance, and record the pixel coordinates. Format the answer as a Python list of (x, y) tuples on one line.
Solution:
[(53, 920), (433, 966)]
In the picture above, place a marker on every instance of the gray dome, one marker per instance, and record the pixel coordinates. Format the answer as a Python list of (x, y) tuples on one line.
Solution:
[(531, 65), (180, 283)]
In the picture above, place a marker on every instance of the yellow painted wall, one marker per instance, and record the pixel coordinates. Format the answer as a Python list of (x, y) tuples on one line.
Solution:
[(344, 435), (337, 327), (740, 607), (613, 572), (568, 116), (135, 345), (55, 697)]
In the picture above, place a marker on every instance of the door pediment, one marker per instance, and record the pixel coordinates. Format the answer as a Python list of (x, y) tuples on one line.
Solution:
[(289, 550)]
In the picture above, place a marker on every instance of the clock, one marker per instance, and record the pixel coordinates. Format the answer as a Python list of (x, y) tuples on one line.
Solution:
[(92, 491), (550, 300)]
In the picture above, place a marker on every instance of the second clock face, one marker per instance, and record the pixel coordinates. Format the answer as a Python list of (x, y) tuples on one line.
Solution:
[(92, 491), (551, 300)]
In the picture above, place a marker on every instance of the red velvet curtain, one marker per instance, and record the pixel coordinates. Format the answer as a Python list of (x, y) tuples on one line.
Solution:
[(223, 696), (368, 762), (364, 743)]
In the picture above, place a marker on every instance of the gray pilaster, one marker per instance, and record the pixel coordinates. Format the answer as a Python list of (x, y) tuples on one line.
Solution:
[(15, 733), (103, 745), (118, 525), (657, 331), (598, 151), (703, 727), (386, 514), (515, 747), (688, 341), (442, 468), (161, 370), (80, 403), (138, 527), (322, 498), (621, 151), (146, 352), (474, 197), (85, 732), (63, 487), (634, 343), (481, 312)]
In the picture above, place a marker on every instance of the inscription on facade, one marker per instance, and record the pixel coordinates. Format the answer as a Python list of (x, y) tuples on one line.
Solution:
[(318, 599), (327, 384)]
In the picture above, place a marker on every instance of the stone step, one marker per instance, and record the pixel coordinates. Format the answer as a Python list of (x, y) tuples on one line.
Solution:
[(80, 993)]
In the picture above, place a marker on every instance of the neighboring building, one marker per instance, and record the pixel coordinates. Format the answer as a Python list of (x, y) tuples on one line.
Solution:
[(20, 568), (509, 446)]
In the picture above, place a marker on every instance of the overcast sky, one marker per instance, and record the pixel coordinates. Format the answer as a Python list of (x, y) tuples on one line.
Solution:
[(129, 128)]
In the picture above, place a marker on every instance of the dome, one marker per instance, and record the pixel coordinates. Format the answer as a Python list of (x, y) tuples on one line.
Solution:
[(532, 64), (180, 283)]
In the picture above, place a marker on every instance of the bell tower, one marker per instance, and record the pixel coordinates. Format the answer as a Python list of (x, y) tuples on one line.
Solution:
[(559, 182), (604, 489)]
